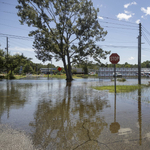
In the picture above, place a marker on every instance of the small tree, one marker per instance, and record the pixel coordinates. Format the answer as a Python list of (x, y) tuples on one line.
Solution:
[(65, 29), (12, 62), (2, 59)]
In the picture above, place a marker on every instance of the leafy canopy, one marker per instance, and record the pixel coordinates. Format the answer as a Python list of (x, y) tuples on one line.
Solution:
[(63, 29)]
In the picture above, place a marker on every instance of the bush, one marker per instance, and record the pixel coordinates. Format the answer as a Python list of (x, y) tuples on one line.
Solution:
[(82, 75), (121, 79), (74, 71), (58, 73), (10, 75), (23, 74)]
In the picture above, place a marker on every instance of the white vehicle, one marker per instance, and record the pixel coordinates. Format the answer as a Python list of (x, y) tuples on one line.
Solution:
[(117, 74)]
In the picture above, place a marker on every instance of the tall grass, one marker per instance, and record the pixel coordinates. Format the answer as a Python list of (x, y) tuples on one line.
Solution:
[(119, 88)]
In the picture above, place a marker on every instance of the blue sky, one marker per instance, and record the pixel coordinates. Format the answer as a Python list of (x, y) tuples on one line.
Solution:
[(119, 17)]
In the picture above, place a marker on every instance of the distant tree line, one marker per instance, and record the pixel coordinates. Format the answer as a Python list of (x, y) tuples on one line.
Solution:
[(19, 64)]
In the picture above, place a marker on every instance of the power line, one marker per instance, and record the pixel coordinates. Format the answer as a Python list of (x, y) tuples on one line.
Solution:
[(13, 27), (148, 41), (118, 24), (8, 20), (120, 42), (116, 46), (19, 43), (120, 28), (118, 20), (9, 12), (7, 3), (145, 30), (16, 36)]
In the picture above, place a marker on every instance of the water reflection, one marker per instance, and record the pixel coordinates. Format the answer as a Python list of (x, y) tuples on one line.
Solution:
[(61, 115), (73, 120), (115, 126), (140, 116), (10, 98)]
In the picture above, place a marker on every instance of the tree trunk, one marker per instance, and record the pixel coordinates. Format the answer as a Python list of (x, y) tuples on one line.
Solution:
[(67, 70)]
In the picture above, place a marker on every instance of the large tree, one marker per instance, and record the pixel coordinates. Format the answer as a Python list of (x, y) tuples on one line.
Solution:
[(66, 30)]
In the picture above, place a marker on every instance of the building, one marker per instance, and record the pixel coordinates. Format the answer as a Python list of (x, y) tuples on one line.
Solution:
[(108, 72), (47, 70)]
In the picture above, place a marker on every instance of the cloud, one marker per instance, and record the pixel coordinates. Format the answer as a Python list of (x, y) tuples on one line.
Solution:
[(131, 58), (129, 4), (124, 16), (100, 17), (128, 12), (146, 11), (138, 21), (21, 49)]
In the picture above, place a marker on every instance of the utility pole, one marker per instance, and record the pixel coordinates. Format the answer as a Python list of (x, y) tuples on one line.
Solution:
[(139, 55), (7, 52)]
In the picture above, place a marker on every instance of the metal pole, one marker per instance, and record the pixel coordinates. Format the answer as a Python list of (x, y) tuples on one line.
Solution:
[(115, 77), (48, 70), (7, 53)]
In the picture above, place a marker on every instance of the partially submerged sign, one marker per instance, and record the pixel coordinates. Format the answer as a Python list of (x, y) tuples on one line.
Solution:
[(114, 59)]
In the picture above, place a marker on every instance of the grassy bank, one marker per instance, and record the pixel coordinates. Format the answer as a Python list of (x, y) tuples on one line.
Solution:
[(19, 76), (63, 76), (120, 88)]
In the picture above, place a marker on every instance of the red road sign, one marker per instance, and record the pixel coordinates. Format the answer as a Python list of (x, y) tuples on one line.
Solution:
[(114, 58), (59, 69)]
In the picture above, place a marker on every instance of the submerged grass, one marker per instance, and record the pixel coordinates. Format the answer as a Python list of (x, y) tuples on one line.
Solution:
[(120, 88), (19, 76), (62, 76)]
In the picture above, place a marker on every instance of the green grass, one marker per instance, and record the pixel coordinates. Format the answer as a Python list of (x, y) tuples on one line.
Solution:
[(63, 76), (19, 76), (119, 79), (119, 88)]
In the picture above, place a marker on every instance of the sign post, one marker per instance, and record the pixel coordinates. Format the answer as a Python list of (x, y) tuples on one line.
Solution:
[(114, 59)]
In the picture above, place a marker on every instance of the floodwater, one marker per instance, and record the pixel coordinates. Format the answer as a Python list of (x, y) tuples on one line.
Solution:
[(61, 116)]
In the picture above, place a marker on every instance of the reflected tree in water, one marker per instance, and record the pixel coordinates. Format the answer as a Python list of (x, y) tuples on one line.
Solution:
[(66, 124), (10, 97)]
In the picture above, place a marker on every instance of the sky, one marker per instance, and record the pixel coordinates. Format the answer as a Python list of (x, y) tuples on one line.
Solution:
[(120, 18)]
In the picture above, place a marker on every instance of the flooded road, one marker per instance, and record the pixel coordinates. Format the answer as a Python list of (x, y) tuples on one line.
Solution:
[(71, 116)]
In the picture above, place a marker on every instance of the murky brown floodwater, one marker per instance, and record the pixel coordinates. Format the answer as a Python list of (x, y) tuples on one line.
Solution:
[(73, 116)]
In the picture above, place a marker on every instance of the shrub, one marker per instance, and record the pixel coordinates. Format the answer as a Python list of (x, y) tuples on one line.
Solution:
[(10, 75)]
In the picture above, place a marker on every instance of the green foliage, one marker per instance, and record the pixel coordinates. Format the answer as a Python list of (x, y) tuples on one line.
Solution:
[(74, 71), (119, 88), (27, 69), (121, 79), (23, 74), (10, 75), (82, 75), (85, 69), (2, 60), (57, 23), (145, 64)]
